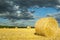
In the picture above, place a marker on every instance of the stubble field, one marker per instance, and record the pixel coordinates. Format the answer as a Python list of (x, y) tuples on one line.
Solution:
[(23, 34)]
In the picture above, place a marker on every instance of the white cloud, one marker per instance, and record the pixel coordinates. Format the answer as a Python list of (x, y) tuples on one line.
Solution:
[(16, 7), (58, 6), (18, 11)]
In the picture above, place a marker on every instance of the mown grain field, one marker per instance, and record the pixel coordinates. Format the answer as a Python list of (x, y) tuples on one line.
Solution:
[(23, 34)]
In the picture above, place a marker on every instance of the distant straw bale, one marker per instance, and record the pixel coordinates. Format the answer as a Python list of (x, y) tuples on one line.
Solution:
[(28, 27)]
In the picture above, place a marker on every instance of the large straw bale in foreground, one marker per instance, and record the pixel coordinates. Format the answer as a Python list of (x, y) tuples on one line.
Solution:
[(46, 26)]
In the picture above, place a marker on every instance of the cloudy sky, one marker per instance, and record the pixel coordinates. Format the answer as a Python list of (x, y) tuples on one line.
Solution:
[(26, 12)]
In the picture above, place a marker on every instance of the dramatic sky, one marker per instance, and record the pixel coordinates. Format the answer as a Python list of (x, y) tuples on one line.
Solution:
[(26, 12)]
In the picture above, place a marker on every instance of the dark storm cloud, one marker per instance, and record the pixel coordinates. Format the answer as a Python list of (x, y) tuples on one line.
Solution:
[(11, 10), (7, 5), (18, 9), (29, 3)]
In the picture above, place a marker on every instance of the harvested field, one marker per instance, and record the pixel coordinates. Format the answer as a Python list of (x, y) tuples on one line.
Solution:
[(23, 34)]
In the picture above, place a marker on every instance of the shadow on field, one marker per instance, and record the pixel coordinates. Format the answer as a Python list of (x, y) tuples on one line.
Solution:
[(39, 34)]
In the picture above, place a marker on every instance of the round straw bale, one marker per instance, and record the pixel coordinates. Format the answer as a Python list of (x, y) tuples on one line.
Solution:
[(46, 26)]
